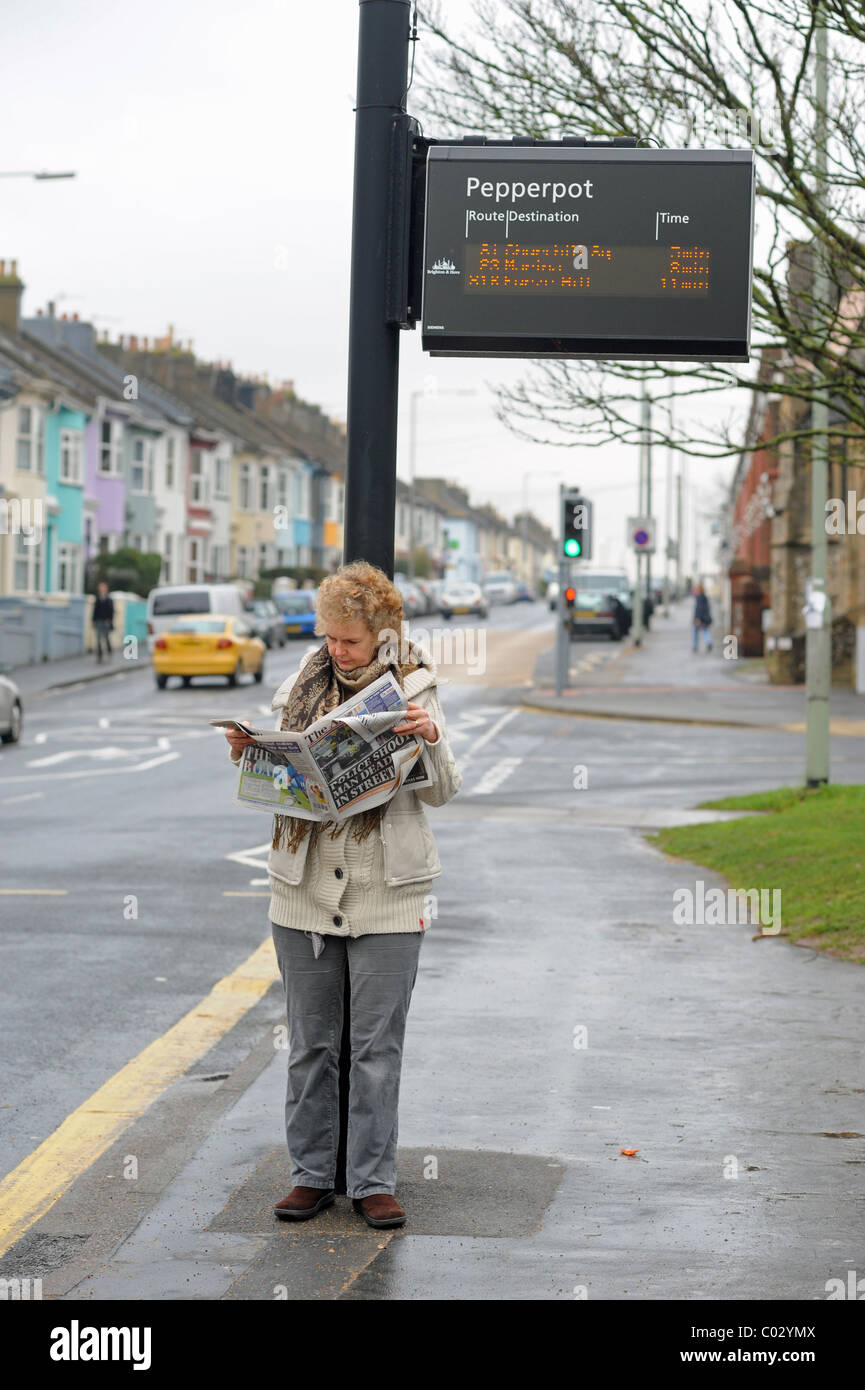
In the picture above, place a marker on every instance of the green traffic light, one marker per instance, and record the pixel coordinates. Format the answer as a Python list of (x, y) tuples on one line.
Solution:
[(572, 547)]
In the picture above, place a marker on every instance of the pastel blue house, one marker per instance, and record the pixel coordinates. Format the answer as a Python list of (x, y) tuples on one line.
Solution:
[(64, 494)]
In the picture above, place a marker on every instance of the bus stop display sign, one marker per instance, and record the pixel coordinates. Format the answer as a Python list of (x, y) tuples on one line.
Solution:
[(606, 253)]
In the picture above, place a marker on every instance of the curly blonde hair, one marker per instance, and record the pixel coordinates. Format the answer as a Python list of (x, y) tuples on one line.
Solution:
[(359, 591)]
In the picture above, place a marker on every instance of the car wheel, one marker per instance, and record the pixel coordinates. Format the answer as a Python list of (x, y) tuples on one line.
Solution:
[(615, 634), (161, 682), (13, 733), (187, 681), (259, 674), (446, 616), (232, 678)]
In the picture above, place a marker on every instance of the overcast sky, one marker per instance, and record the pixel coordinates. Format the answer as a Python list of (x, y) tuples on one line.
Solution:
[(213, 147)]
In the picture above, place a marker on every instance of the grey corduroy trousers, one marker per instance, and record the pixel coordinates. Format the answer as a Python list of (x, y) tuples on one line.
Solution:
[(382, 970)]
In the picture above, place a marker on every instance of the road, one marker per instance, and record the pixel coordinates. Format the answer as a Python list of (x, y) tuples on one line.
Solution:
[(559, 1016)]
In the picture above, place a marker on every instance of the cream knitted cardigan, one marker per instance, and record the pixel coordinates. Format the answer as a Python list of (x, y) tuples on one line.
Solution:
[(344, 879)]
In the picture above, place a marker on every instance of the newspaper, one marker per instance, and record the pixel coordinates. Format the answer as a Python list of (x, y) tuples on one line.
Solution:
[(344, 763)]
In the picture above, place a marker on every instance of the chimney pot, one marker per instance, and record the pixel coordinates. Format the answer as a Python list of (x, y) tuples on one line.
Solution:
[(11, 290)]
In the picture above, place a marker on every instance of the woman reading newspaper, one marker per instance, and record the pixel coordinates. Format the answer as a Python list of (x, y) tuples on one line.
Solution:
[(353, 896)]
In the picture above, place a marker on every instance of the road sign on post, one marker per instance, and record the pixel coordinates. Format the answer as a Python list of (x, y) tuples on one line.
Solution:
[(610, 253), (640, 534)]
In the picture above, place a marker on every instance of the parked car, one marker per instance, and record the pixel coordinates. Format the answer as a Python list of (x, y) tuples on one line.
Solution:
[(436, 586), (428, 594), (266, 621), (417, 600), (414, 588), (611, 580), (297, 607), (500, 587), (169, 601), (11, 710), (211, 644), (413, 601), (463, 597), (596, 613)]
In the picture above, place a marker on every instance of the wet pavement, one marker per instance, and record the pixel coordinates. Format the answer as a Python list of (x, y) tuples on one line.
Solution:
[(560, 1015)]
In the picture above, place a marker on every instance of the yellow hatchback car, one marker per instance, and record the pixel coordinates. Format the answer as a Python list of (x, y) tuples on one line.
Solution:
[(207, 644)]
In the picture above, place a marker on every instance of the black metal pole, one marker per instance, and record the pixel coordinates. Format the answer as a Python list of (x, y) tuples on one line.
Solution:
[(373, 347), (373, 344)]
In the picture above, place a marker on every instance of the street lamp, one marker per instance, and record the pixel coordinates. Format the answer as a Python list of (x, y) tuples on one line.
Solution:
[(431, 389), (533, 472), (33, 174)]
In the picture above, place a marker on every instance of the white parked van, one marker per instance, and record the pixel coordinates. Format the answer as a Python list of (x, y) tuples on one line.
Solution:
[(168, 601)]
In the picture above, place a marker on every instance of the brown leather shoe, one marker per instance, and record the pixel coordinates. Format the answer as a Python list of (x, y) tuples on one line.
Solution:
[(381, 1209), (304, 1202)]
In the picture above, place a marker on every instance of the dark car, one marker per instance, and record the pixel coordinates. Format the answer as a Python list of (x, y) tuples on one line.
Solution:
[(11, 710), (266, 621), (610, 582), (596, 614)]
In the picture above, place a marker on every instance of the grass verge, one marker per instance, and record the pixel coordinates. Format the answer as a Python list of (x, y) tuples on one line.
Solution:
[(811, 845)]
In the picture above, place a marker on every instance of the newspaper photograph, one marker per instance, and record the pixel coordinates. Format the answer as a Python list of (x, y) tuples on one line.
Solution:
[(344, 763)]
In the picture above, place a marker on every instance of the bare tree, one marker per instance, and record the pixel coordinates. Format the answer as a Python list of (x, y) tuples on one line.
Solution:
[(669, 71)]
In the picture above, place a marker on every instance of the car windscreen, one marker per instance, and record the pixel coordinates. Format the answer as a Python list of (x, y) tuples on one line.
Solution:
[(611, 583), (184, 601), (594, 599), (198, 625), (294, 603)]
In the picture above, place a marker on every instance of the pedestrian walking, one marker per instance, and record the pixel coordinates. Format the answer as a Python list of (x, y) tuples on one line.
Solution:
[(702, 618), (353, 897), (102, 619)]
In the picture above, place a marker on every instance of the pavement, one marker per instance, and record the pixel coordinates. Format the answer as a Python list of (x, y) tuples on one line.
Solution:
[(561, 1014), (39, 677), (665, 681)]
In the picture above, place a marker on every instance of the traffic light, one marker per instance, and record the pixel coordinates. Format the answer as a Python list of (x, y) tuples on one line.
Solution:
[(576, 527), (570, 595)]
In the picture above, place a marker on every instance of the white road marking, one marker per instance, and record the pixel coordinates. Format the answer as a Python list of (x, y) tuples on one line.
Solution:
[(27, 796), (484, 739), (252, 858), (126, 769), (494, 776), (102, 754), (40, 738)]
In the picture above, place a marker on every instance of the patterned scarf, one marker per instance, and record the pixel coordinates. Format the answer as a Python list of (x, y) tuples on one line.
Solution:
[(320, 687)]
